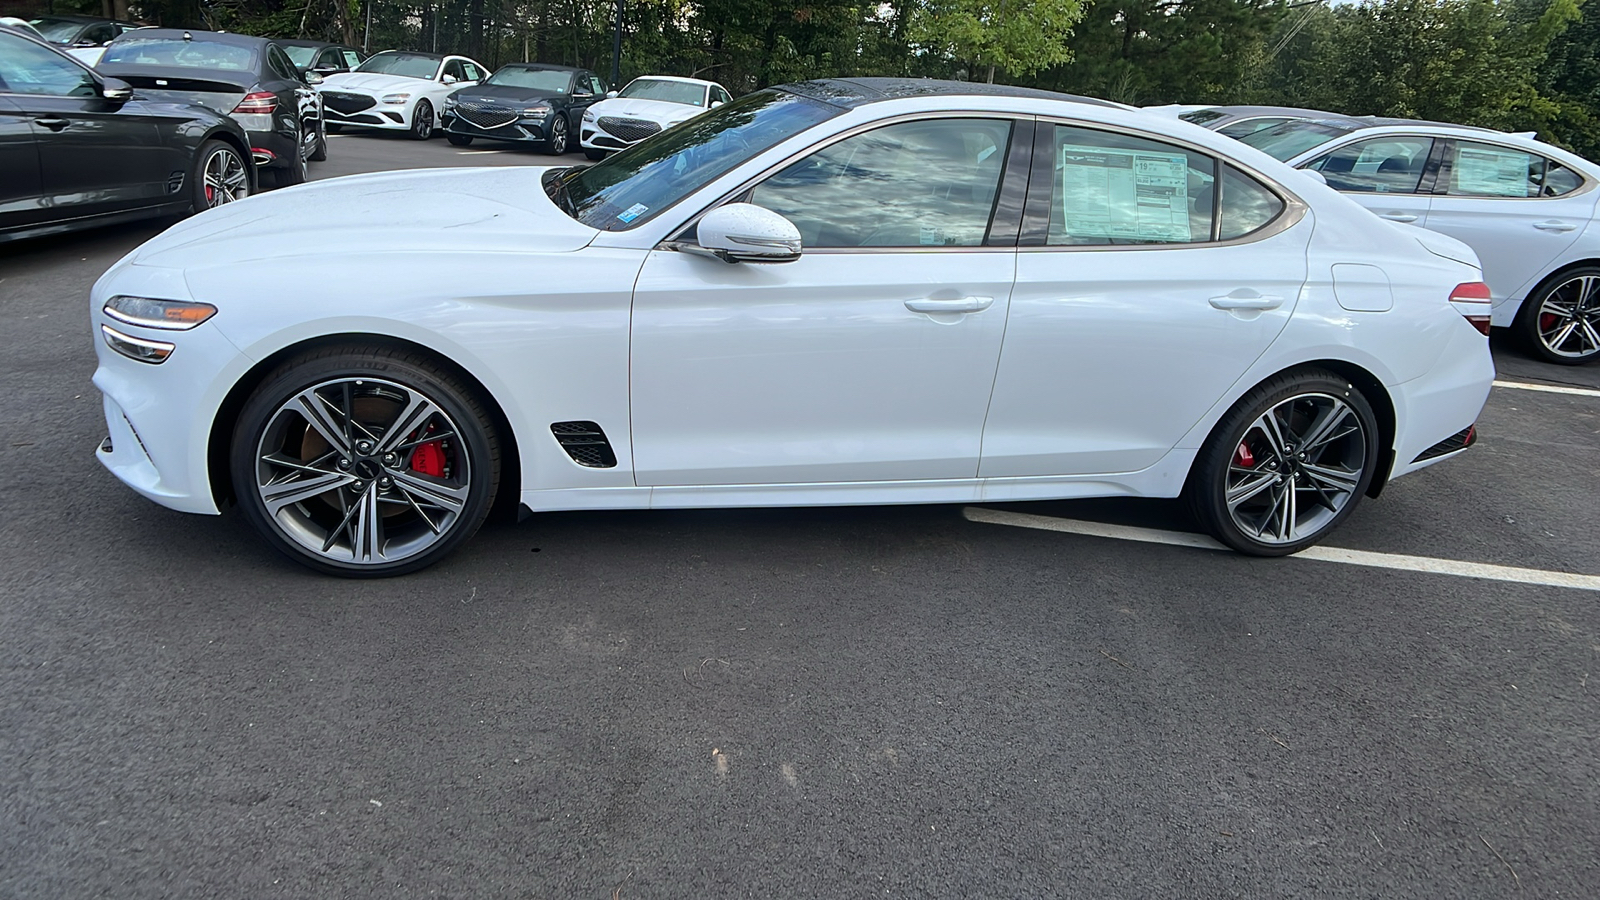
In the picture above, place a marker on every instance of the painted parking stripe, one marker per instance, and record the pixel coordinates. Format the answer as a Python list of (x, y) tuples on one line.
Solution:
[(1425, 564), (1547, 388)]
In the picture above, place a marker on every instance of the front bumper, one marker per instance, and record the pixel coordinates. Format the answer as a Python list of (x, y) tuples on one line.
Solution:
[(350, 108), (526, 131)]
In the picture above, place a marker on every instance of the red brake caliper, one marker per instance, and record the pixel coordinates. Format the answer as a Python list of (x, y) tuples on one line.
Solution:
[(1547, 321), (429, 459), (1244, 456)]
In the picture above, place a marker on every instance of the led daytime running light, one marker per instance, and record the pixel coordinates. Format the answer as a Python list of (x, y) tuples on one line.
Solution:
[(168, 315)]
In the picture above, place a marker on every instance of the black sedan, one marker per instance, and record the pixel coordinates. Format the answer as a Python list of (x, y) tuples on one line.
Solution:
[(321, 57), (248, 78), (528, 103), (79, 149), (80, 32)]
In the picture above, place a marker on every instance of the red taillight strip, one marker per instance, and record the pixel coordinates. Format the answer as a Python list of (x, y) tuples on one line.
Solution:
[(257, 102), (1472, 300)]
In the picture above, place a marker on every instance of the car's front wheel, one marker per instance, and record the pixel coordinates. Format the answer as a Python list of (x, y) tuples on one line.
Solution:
[(1286, 465), (1561, 321), (594, 154), (422, 121), (364, 461), (221, 176), (556, 143), (458, 140)]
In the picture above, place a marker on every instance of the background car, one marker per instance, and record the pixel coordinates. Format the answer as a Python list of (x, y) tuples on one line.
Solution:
[(249, 78), (529, 103), (85, 37), (1526, 207), (854, 291), (80, 149), (398, 90), (1238, 121), (20, 25), (321, 57), (648, 105)]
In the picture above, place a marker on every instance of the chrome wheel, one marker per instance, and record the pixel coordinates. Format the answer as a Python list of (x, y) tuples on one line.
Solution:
[(1568, 318), (558, 136), (224, 177), (362, 471), (1295, 468)]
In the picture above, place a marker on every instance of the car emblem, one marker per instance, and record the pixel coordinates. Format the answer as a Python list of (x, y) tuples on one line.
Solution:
[(161, 81)]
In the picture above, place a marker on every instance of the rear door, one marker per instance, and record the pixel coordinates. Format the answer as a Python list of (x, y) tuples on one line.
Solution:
[(19, 160)]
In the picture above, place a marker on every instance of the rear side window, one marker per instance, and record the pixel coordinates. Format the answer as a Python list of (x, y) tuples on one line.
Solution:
[(1487, 170), (281, 64), (1386, 165), (1112, 188), (1247, 205), (1559, 179)]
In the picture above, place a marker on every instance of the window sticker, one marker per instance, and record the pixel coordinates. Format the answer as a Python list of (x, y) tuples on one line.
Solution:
[(1124, 194), (1489, 170), (633, 212)]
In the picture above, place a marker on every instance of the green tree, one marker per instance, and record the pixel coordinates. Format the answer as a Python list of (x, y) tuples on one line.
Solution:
[(1017, 36)]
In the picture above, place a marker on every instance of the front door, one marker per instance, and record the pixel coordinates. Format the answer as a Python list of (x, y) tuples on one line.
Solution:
[(1384, 174), (19, 160), (869, 359)]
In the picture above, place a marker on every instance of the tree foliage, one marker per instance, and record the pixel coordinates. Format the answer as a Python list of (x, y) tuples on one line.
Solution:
[(1019, 36)]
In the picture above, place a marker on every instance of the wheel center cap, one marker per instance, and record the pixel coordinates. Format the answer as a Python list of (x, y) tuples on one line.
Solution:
[(367, 469)]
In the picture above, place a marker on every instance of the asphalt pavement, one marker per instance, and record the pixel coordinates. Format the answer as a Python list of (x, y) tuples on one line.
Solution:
[(886, 702)]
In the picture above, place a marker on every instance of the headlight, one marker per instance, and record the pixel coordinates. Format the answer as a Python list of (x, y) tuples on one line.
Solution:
[(588, 115), (152, 352), (450, 103), (169, 315), (537, 112), (396, 98)]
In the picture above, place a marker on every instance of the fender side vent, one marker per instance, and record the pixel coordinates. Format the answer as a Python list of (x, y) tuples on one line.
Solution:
[(1461, 440), (175, 182), (585, 443)]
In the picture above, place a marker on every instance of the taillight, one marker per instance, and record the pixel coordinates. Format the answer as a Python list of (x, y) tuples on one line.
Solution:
[(257, 102), (1472, 301)]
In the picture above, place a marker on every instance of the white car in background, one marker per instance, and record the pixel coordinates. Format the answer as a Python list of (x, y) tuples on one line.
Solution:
[(1526, 207), (397, 90), (648, 105)]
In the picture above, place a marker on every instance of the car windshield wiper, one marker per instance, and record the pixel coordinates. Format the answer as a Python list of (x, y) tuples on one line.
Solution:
[(556, 190)]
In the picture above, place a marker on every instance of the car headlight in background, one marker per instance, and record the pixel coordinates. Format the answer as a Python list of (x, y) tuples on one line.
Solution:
[(537, 111), (588, 115), (168, 315), (396, 98), (450, 102), (140, 349)]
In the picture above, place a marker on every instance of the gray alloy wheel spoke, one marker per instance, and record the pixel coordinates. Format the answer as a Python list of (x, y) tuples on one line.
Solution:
[(311, 407), (1560, 339), (1333, 479), (432, 493), (1556, 309), (1322, 431), (1590, 336), (1585, 289), (1275, 432), (277, 495), (1328, 460), (1239, 493), (418, 411)]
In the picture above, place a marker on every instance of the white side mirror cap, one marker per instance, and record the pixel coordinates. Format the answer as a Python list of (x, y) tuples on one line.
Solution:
[(1314, 175), (611, 95), (744, 232)]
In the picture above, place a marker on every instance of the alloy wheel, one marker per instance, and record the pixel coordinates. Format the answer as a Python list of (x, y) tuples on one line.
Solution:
[(225, 178), (558, 136), (363, 471), (424, 127), (1569, 318), (1297, 465)]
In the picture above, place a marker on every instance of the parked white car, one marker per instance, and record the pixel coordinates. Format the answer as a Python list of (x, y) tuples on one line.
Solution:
[(798, 298), (1526, 207), (397, 90), (648, 105)]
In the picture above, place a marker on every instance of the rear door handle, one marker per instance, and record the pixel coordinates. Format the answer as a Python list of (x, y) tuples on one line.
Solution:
[(1246, 299), (1398, 216), (54, 123), (1558, 227), (962, 305)]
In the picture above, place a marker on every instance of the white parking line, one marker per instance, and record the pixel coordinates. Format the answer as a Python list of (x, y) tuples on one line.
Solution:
[(1424, 564), (1547, 388)]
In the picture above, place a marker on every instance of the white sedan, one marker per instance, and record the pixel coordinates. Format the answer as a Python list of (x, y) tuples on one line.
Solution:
[(842, 292), (397, 90), (647, 106)]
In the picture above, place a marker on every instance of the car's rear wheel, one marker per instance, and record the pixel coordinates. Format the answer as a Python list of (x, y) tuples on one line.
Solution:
[(556, 143), (422, 121), (221, 176), (1561, 320), (364, 461), (458, 140), (333, 127), (594, 153), (1286, 465), (319, 152)]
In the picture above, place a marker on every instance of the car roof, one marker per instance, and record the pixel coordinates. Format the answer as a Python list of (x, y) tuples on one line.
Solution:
[(214, 37), (1246, 112), (677, 78), (853, 92), (307, 42), (539, 65), (410, 53)]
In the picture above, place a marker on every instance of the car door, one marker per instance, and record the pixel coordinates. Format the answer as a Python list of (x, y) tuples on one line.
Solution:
[(870, 358), (1383, 174), (1137, 304), (586, 90), (95, 156), (293, 92), (1519, 210), (19, 160)]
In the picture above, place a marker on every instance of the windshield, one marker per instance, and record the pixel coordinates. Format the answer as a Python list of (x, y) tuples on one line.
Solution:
[(1291, 139), (631, 187), (57, 31), (403, 64), (544, 81), (668, 91), (300, 56), (195, 54)]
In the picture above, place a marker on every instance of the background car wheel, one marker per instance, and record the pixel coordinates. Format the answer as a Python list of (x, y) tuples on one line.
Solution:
[(320, 152), (1286, 465), (594, 154), (296, 171), (364, 461), (422, 121), (556, 144), (333, 127), (459, 140), (220, 176), (1561, 320)]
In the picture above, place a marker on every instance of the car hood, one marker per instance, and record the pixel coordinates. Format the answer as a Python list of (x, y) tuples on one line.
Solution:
[(1442, 245), (375, 83), (658, 111), (419, 211), (499, 93)]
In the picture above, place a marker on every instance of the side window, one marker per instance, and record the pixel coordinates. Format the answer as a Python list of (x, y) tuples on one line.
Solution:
[(453, 69), (280, 64), (1112, 188), (1559, 179), (1387, 165), (351, 58), (720, 95), (927, 183), (27, 68), (328, 59), (472, 72), (1485, 170), (1247, 205), (98, 34), (596, 85)]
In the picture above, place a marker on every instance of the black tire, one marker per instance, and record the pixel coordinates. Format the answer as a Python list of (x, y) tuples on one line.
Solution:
[(273, 445), (556, 143), (297, 171), (422, 121), (594, 154), (204, 196), (320, 153), (458, 140), (1265, 473), (1545, 332), (332, 127)]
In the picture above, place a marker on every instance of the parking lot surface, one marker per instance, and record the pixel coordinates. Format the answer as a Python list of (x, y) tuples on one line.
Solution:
[(894, 702)]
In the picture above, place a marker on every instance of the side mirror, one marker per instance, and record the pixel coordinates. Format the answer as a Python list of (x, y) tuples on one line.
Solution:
[(313, 77), (611, 95), (85, 42), (744, 232), (715, 104), (1314, 175), (449, 79), (116, 90), (325, 70)]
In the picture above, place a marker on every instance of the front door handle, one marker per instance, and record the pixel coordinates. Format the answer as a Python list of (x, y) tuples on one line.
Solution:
[(1557, 227), (1246, 299), (961, 305), (1398, 216), (54, 123)]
